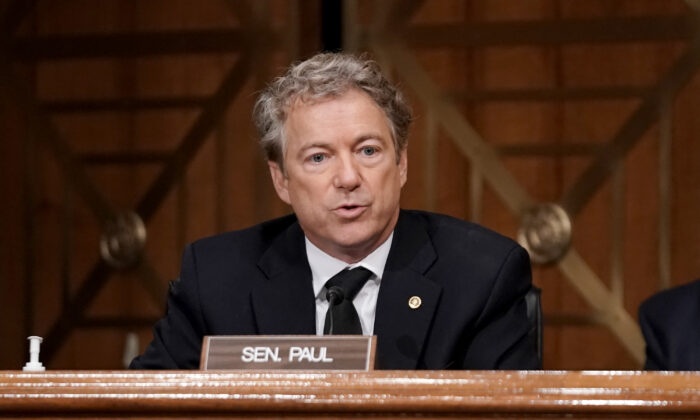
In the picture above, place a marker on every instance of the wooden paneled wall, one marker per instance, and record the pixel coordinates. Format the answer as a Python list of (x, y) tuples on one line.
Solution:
[(547, 104), (81, 100)]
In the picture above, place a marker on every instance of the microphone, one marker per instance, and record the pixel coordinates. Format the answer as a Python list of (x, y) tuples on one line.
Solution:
[(335, 296)]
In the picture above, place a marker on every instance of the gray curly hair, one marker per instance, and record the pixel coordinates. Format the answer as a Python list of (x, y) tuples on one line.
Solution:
[(327, 75)]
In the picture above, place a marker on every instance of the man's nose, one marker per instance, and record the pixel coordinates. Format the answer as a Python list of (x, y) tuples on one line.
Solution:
[(347, 174)]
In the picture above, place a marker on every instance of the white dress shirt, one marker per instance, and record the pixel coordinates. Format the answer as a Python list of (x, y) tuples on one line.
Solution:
[(323, 267)]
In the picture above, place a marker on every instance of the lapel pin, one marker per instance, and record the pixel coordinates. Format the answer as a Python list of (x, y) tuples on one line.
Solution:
[(414, 302)]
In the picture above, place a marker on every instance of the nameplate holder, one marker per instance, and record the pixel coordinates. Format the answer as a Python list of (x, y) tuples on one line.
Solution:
[(288, 352)]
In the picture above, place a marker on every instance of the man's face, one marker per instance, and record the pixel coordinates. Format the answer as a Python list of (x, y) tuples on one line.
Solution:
[(342, 178)]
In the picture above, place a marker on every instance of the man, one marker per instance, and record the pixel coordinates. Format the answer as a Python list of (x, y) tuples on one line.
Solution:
[(669, 322), (441, 293)]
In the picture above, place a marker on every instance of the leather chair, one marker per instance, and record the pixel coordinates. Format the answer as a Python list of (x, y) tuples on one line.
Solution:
[(534, 316)]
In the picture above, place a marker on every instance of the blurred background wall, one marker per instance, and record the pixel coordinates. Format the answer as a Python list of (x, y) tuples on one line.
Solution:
[(125, 133)]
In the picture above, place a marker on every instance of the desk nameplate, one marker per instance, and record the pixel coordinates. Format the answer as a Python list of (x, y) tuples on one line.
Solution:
[(288, 352)]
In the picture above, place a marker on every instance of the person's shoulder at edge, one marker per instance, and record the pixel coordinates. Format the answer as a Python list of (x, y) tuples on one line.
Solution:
[(668, 320), (668, 302)]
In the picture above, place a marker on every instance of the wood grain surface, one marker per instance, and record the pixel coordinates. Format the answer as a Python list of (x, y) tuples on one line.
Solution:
[(426, 394)]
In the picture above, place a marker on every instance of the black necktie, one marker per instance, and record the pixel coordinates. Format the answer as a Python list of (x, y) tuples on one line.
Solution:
[(342, 288)]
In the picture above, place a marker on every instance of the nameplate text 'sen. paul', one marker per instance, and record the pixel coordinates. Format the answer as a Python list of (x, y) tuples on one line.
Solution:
[(288, 352)]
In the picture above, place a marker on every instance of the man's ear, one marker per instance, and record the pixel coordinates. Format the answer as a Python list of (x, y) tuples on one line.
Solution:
[(403, 166), (280, 181)]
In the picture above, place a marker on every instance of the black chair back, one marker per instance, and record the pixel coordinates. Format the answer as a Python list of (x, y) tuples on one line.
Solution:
[(534, 316)]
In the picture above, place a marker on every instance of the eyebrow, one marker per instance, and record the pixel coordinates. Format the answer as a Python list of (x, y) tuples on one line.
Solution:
[(313, 145), (369, 136)]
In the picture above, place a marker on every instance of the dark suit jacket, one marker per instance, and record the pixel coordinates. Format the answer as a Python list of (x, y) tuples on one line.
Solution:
[(472, 282), (670, 322)]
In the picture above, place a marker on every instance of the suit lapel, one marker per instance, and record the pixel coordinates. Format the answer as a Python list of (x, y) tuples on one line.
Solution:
[(284, 303), (401, 330)]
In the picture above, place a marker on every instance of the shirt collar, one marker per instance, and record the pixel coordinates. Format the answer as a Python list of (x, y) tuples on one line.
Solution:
[(324, 266)]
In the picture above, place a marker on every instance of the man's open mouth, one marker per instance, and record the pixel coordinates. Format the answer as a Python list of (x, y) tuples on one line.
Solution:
[(350, 210)]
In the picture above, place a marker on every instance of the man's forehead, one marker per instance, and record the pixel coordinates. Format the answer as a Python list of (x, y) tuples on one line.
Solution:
[(310, 100)]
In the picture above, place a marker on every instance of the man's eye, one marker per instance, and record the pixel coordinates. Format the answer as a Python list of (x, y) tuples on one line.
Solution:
[(317, 158), (368, 151)]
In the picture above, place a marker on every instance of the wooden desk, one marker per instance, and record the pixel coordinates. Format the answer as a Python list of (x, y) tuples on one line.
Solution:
[(386, 394)]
